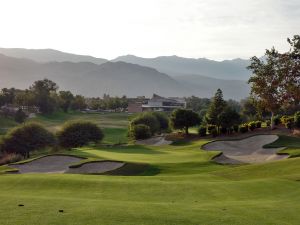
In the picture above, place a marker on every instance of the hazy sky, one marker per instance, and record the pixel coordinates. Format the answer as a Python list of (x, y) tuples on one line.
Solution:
[(215, 29)]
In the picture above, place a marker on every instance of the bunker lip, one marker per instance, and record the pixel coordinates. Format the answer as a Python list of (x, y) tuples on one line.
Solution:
[(154, 141), (248, 150), (61, 164)]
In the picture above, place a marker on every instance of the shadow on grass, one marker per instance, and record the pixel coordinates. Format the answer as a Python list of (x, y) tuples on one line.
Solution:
[(129, 149), (135, 169)]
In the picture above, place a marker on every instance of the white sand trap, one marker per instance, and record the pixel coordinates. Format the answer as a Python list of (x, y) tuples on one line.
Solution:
[(248, 150), (47, 164), (97, 167), (154, 141)]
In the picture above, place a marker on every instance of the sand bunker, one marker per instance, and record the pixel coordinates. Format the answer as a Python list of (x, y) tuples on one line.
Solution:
[(248, 150), (154, 141), (61, 163), (96, 167)]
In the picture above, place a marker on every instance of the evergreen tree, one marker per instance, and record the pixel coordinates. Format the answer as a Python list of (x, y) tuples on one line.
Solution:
[(217, 106)]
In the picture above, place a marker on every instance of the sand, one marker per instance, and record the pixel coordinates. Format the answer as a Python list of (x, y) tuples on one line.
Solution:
[(248, 150), (154, 141), (61, 163), (96, 167)]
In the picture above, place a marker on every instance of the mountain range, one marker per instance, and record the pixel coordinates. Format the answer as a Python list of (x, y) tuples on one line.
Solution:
[(125, 75)]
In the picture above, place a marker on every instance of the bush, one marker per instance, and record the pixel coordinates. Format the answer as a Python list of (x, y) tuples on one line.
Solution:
[(214, 132), (202, 131), (268, 123), (276, 120), (10, 158), (289, 125), (147, 119), (252, 125), (236, 128), (140, 131), (211, 127), (297, 119), (288, 121), (78, 134), (243, 128), (258, 124), (163, 120), (20, 116), (26, 138), (223, 130)]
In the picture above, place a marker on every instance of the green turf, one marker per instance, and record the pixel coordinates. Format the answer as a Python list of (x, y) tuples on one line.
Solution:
[(177, 184), (292, 145)]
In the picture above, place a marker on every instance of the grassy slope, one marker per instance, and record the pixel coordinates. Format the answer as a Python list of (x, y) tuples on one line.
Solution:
[(188, 189)]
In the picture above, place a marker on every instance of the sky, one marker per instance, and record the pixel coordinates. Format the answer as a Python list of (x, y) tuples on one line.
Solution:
[(214, 29)]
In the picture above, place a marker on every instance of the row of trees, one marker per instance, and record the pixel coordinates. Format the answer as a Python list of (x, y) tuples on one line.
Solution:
[(31, 137), (45, 95)]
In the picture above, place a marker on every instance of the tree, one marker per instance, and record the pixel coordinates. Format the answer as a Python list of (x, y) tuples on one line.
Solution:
[(265, 82), (20, 116), (140, 131), (163, 120), (44, 91), (215, 109), (7, 96), (79, 133), (184, 118), (25, 139), (229, 117), (78, 103), (65, 100), (148, 119)]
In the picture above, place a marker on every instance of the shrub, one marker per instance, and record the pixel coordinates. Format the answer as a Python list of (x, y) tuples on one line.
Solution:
[(268, 123), (236, 128), (147, 119), (20, 116), (276, 120), (26, 138), (202, 131), (163, 120), (252, 125), (258, 124), (10, 158), (223, 130), (214, 132), (297, 119), (243, 128), (289, 125), (78, 134), (140, 131), (288, 121), (211, 127)]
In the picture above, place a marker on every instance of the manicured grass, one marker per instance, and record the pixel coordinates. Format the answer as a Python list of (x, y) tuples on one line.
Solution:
[(292, 145), (176, 184)]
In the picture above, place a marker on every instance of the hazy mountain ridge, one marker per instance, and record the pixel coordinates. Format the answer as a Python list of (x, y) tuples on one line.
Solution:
[(49, 55), (115, 78), (176, 66)]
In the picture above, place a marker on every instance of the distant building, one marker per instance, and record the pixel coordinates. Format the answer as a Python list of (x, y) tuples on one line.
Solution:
[(135, 104), (158, 103)]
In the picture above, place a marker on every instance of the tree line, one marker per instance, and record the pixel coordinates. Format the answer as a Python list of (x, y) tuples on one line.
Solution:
[(45, 96)]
